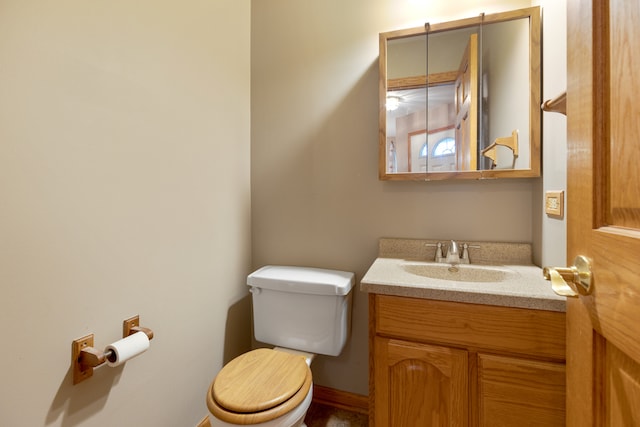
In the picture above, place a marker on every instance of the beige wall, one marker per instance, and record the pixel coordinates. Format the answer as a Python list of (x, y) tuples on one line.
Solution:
[(316, 198), (124, 189)]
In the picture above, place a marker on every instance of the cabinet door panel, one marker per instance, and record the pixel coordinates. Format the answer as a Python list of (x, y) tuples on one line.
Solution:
[(515, 391), (420, 384)]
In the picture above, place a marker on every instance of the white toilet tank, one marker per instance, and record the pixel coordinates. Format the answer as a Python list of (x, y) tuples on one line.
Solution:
[(302, 308)]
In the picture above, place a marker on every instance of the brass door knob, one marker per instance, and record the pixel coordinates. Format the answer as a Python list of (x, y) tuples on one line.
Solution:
[(571, 281)]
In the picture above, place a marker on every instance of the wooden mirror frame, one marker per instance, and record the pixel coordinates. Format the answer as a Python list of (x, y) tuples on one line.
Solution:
[(533, 14)]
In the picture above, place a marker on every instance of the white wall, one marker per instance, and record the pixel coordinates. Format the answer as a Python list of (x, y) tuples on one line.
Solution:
[(316, 196), (124, 189), (553, 236)]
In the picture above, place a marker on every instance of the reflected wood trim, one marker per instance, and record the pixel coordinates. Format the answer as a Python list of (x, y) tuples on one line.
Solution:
[(556, 105), (415, 82), (442, 129), (467, 98)]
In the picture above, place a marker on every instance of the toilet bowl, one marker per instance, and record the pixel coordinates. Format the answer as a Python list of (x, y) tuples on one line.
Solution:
[(303, 310), (263, 387)]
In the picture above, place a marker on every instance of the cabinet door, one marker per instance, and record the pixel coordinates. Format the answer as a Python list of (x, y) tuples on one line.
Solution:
[(419, 385), (516, 392)]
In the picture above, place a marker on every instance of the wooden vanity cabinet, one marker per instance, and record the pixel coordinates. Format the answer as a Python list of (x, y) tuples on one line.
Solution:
[(440, 363)]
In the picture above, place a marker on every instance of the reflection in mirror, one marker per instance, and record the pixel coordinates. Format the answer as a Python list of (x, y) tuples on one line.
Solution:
[(474, 83)]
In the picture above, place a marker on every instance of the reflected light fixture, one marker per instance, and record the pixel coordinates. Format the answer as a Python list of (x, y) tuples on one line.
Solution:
[(393, 102)]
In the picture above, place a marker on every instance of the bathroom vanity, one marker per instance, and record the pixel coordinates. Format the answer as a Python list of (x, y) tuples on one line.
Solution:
[(449, 352)]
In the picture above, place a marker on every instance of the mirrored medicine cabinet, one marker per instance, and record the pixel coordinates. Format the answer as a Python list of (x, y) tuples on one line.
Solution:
[(461, 99)]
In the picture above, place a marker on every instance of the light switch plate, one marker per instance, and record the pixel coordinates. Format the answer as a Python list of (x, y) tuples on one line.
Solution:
[(554, 203)]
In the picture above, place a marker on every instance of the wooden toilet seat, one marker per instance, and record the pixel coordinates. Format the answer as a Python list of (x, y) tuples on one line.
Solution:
[(259, 386)]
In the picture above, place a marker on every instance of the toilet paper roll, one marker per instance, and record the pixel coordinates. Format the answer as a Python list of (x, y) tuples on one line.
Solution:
[(127, 348)]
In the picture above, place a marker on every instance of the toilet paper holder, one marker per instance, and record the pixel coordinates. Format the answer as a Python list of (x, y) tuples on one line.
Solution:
[(85, 357)]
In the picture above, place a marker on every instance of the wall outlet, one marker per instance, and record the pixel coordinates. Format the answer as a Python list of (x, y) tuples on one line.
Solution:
[(554, 203)]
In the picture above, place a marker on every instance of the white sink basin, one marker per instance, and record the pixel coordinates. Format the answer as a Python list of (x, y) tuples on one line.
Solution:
[(459, 273)]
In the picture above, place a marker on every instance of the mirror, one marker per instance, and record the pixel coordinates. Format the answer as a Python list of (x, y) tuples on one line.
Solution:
[(461, 99)]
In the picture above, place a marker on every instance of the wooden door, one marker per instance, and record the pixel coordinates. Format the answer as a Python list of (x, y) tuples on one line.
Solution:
[(466, 104), (603, 122), (420, 385)]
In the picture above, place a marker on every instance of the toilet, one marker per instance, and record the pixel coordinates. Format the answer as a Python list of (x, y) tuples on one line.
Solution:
[(302, 311)]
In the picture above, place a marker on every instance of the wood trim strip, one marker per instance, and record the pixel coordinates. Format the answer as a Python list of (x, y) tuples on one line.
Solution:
[(435, 79), (372, 339), (341, 399)]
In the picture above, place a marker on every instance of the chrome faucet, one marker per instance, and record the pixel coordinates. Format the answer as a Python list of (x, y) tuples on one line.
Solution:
[(453, 256)]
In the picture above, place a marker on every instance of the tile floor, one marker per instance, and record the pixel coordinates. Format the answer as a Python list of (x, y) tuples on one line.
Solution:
[(327, 416)]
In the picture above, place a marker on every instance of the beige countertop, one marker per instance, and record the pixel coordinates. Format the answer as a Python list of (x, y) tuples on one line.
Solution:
[(520, 285)]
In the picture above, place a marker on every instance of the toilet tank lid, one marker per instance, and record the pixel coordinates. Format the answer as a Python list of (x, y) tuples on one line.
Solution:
[(304, 280)]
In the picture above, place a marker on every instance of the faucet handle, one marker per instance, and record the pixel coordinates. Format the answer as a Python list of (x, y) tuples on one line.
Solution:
[(465, 252), (438, 257)]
